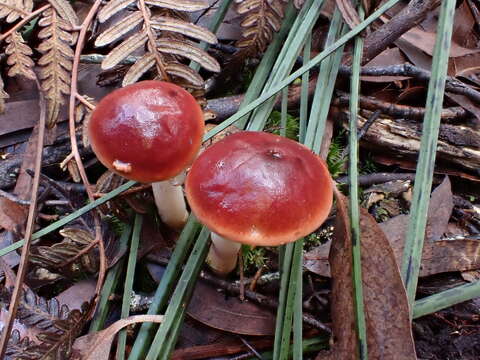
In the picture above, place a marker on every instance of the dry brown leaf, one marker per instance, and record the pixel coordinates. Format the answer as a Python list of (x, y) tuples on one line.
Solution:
[(96, 346), (466, 65), (438, 256), (120, 28), (349, 14), (463, 32), (390, 56), (425, 41), (389, 333), (11, 214), (230, 314)]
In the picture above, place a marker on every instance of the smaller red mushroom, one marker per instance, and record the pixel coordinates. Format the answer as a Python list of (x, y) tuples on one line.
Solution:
[(149, 131), (259, 189)]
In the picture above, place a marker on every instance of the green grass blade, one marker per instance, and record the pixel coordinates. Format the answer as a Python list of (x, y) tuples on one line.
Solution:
[(309, 65), (65, 220), (284, 112), (127, 290), (428, 145), (282, 298), (110, 284), (162, 294), (324, 86), (180, 297), (307, 48), (213, 27), (286, 59), (297, 306), (354, 209), (447, 298)]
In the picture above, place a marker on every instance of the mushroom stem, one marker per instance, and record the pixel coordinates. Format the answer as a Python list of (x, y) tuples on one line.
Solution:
[(170, 203), (223, 254)]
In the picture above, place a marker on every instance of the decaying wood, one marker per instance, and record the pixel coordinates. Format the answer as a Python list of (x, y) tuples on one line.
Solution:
[(52, 155), (458, 145)]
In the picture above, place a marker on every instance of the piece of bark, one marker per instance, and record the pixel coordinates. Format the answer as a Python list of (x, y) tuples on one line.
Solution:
[(458, 145), (52, 155)]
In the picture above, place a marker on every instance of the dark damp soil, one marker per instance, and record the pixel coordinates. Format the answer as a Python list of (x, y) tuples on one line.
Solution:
[(453, 333)]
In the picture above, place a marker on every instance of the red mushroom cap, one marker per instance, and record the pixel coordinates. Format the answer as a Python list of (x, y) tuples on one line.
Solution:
[(259, 189), (148, 131)]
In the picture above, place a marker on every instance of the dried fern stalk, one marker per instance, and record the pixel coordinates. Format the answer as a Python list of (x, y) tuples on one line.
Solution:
[(56, 62), (159, 30), (261, 19)]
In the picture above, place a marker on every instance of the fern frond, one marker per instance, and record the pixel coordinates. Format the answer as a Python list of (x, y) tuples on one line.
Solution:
[(119, 29), (165, 23), (34, 310), (3, 96), (163, 37), (180, 5), (65, 11), (19, 57), (58, 344), (12, 10), (56, 61), (262, 18), (61, 258)]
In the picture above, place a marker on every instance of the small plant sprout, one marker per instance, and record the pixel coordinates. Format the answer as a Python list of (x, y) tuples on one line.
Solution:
[(150, 132), (257, 188)]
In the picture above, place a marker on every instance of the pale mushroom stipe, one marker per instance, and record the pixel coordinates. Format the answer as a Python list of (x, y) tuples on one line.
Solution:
[(150, 131), (259, 189)]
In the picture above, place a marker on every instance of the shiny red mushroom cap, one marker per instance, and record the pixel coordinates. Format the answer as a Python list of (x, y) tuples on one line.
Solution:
[(148, 131), (259, 189)]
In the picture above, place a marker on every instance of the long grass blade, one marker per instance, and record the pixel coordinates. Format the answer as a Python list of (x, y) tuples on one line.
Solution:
[(162, 294), (354, 209), (65, 220), (423, 179), (309, 65), (127, 290), (110, 284), (286, 59), (180, 298), (447, 298), (282, 298), (307, 48)]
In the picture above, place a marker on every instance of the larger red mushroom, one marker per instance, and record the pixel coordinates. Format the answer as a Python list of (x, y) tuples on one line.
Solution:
[(259, 189), (149, 131)]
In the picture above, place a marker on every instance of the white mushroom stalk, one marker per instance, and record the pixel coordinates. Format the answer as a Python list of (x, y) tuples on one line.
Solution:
[(223, 254), (170, 201)]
